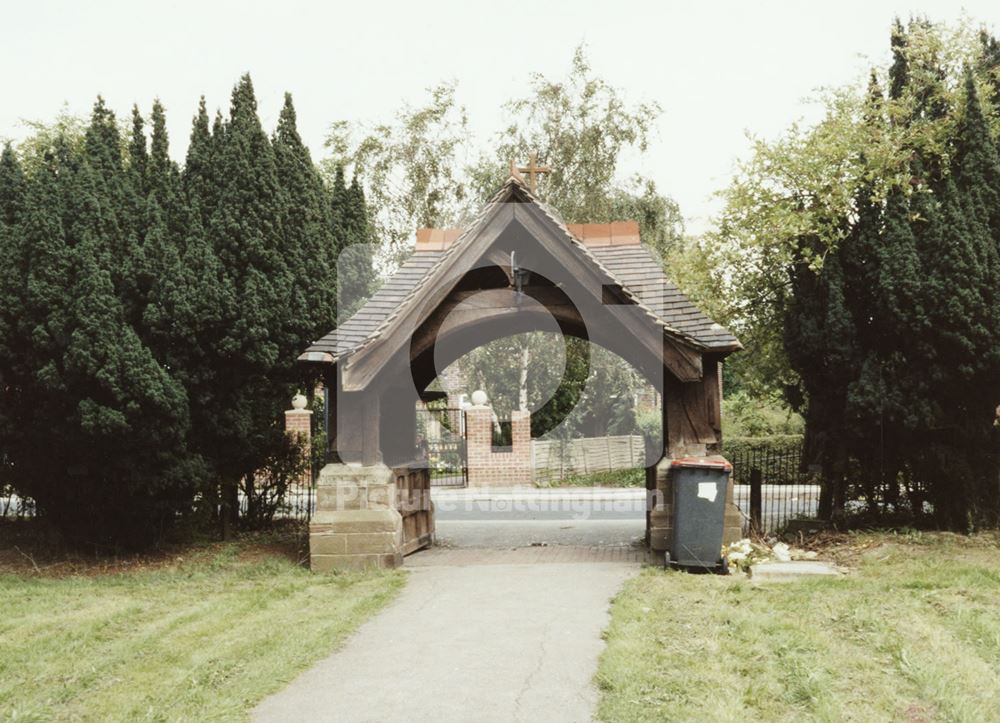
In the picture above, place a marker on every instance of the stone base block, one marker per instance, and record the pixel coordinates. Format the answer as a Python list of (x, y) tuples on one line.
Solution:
[(733, 529), (355, 525), (355, 539), (350, 487)]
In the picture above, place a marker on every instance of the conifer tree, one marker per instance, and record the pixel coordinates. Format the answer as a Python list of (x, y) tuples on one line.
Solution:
[(899, 71), (138, 154), (101, 424), (308, 245), (200, 180), (247, 352), (355, 265), (821, 345), (12, 261), (11, 187), (962, 336)]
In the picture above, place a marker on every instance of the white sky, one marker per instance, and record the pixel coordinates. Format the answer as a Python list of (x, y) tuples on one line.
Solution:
[(719, 69)]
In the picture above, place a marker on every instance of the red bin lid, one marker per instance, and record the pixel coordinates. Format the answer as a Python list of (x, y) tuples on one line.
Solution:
[(703, 463)]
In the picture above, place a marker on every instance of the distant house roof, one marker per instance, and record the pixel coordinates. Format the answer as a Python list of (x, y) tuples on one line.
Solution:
[(614, 247)]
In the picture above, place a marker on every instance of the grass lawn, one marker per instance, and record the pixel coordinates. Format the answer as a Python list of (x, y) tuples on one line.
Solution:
[(630, 477), (201, 636), (912, 633)]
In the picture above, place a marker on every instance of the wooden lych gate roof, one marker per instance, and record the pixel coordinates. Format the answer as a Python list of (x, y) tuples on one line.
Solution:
[(614, 249)]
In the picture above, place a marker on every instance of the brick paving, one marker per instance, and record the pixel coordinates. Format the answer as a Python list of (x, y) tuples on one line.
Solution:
[(460, 557)]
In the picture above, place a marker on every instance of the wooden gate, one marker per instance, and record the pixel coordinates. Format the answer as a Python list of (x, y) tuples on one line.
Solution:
[(413, 500)]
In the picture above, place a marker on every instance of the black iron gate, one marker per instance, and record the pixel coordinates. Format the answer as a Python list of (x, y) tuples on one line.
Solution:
[(441, 439), (770, 487)]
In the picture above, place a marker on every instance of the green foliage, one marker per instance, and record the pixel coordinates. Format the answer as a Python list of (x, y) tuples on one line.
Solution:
[(747, 416), (425, 169), (150, 318), (580, 126), (864, 255), (411, 166), (649, 422), (93, 425), (572, 387), (355, 265), (629, 477), (771, 444)]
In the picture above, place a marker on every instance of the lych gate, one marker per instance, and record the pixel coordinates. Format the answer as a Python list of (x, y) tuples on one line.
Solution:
[(516, 268)]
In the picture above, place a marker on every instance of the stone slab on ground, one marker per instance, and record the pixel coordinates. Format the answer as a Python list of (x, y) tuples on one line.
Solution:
[(792, 571), (498, 642)]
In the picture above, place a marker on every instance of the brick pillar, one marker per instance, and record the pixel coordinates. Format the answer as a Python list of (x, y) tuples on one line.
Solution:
[(492, 468), (478, 443), (519, 469), (298, 424)]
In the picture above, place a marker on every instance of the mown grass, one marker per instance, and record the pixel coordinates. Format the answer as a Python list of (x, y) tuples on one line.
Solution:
[(194, 639), (912, 633)]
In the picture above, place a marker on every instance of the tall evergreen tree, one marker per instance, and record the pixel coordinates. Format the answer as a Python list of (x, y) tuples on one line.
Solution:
[(307, 225), (962, 337), (11, 187), (821, 344), (899, 71), (13, 256), (200, 178), (247, 352), (138, 154), (989, 66), (355, 263), (96, 426)]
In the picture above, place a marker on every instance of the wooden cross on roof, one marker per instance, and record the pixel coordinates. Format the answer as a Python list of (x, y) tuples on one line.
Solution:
[(533, 170)]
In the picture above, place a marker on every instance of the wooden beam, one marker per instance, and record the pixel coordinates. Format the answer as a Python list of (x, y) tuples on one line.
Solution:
[(680, 357), (692, 422), (363, 366)]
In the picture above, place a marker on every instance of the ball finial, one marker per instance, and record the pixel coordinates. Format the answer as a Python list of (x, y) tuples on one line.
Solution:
[(479, 398), (299, 401)]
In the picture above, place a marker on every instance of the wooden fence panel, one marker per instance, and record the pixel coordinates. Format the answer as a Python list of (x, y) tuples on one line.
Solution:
[(558, 459)]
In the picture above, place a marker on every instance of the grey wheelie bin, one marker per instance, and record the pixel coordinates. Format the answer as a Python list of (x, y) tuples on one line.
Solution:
[(699, 509)]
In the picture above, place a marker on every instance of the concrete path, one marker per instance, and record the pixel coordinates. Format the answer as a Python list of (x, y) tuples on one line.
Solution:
[(484, 638)]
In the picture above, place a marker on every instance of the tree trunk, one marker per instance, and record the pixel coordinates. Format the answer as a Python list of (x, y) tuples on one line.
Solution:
[(522, 398), (230, 507)]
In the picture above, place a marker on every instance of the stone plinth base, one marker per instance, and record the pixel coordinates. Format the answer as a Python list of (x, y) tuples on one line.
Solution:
[(356, 525)]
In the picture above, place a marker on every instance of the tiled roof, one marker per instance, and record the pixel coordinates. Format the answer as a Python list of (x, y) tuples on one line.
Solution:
[(639, 270), (612, 247)]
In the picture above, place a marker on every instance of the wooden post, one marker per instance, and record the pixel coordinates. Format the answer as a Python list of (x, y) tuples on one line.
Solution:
[(755, 501)]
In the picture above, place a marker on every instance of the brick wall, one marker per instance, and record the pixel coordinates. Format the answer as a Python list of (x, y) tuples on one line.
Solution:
[(492, 468)]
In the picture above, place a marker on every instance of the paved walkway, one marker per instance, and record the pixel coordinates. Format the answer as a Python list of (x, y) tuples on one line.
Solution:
[(544, 555), (484, 635)]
